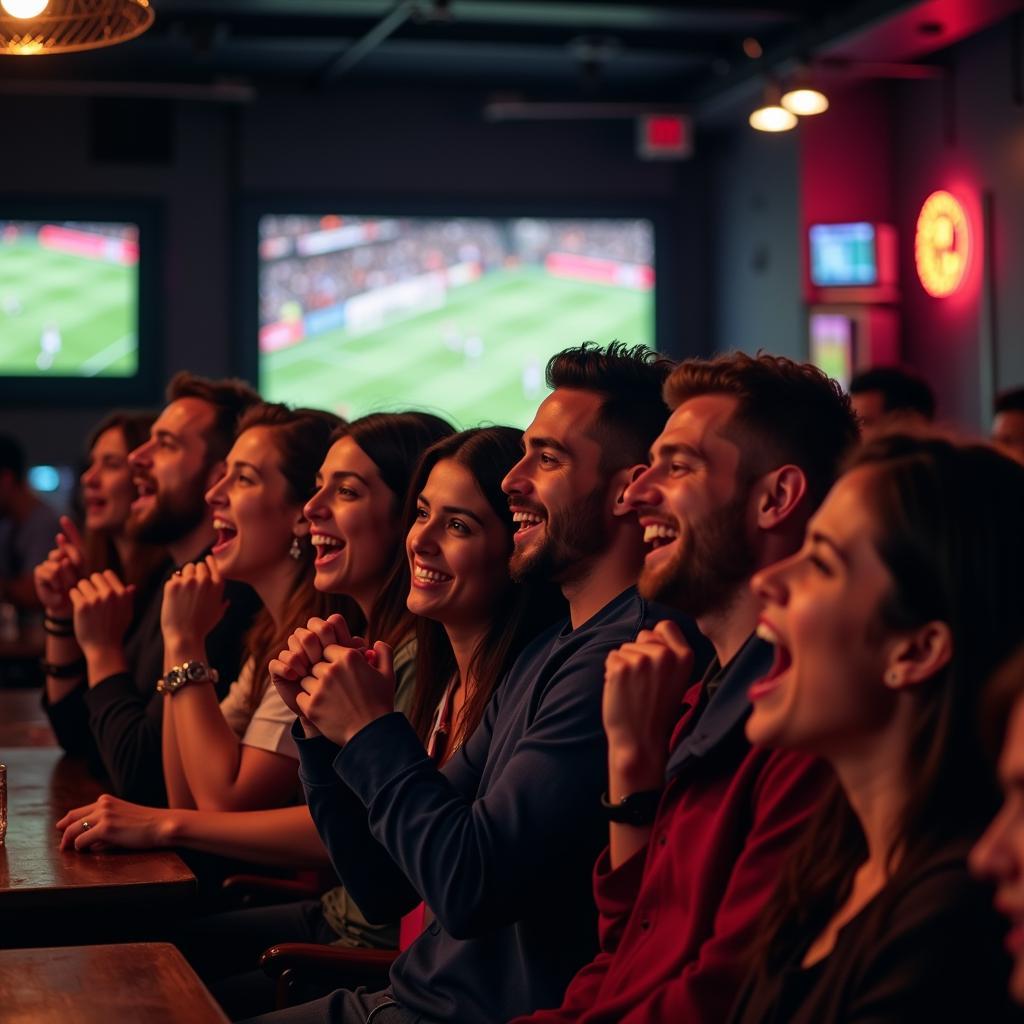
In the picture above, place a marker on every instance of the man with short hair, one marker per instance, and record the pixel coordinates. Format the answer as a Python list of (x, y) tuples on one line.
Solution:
[(183, 457), (498, 842), (27, 526), (889, 398), (700, 821), (1008, 422)]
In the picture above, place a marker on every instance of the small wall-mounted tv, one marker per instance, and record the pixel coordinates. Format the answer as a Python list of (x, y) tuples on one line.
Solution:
[(77, 297), (457, 314), (856, 255)]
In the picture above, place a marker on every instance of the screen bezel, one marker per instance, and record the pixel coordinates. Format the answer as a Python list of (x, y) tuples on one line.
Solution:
[(143, 386), (246, 355)]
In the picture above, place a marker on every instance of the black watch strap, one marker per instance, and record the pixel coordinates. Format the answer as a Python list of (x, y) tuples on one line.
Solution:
[(635, 809)]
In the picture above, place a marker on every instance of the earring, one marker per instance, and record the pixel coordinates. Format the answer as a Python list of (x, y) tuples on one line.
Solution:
[(296, 549), (891, 677)]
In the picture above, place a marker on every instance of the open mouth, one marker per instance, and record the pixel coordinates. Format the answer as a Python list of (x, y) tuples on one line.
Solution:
[(327, 548), (659, 535), (526, 522), (94, 505), (425, 578), (145, 492), (783, 659), (226, 533)]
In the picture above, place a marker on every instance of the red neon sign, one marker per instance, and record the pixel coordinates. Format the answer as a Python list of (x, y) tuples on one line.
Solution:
[(942, 244)]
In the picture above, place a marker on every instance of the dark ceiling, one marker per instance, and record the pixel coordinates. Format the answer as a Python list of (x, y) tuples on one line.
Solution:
[(656, 51)]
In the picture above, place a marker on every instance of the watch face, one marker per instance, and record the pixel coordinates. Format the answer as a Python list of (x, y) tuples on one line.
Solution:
[(174, 679), (194, 671)]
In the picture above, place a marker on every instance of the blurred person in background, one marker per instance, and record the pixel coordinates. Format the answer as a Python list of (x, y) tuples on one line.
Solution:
[(1008, 422), (27, 528), (107, 496), (998, 856), (890, 398)]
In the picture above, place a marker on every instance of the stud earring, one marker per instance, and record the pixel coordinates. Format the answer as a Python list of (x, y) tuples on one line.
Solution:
[(296, 549), (891, 677)]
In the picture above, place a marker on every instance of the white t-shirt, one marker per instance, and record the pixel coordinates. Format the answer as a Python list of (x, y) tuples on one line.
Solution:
[(270, 725)]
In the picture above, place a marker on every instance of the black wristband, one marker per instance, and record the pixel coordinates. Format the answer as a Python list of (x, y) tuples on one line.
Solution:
[(67, 671), (636, 809), (55, 627), (58, 620)]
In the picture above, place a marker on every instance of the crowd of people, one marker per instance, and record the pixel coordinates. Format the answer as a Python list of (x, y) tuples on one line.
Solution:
[(385, 251), (700, 700)]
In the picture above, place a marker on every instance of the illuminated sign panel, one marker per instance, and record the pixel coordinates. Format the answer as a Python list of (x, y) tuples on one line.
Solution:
[(942, 244)]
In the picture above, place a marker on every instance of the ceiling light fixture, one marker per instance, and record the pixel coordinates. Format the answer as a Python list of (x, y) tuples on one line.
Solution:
[(30, 27), (24, 8), (805, 101), (770, 116)]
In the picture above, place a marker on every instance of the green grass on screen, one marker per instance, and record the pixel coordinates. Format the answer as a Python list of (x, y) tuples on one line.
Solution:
[(91, 303), (519, 316)]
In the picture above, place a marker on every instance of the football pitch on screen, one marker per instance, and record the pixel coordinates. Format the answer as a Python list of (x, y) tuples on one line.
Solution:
[(477, 359), (65, 315)]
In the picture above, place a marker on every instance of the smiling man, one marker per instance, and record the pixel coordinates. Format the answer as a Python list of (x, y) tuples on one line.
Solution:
[(499, 842), (122, 642), (700, 820)]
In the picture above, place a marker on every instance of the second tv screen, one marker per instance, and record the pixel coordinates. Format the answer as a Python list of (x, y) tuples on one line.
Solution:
[(457, 315)]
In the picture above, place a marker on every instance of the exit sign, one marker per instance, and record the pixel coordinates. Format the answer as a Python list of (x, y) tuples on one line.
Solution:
[(664, 137)]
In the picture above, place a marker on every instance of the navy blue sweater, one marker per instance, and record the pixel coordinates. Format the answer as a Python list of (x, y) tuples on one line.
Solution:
[(501, 841)]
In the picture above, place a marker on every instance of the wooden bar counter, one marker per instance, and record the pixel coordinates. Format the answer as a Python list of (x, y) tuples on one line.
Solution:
[(132, 983), (42, 785)]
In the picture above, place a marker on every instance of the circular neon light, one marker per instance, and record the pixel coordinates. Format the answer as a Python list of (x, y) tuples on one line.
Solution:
[(942, 244)]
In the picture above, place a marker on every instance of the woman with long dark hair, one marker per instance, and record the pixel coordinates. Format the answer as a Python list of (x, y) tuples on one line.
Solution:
[(886, 624), (105, 542)]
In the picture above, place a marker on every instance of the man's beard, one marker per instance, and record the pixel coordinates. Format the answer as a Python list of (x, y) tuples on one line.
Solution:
[(713, 561), (572, 537), (174, 516)]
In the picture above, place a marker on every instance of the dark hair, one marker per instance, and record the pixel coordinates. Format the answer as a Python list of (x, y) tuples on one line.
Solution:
[(229, 397), (956, 557), (899, 387), (787, 412), (394, 442), (100, 550), (1002, 692), (630, 382), (12, 456), (1011, 400), (525, 609), (301, 438)]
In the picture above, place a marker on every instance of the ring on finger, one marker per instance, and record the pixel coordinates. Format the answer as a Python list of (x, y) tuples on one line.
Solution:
[(86, 825)]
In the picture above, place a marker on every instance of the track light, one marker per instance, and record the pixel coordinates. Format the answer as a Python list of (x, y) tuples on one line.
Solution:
[(805, 101), (770, 116)]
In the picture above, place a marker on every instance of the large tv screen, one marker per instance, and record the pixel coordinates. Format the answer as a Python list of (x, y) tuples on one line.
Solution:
[(457, 315), (69, 295)]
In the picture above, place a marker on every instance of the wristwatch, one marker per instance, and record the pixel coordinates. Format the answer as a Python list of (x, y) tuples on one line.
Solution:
[(187, 672), (636, 809)]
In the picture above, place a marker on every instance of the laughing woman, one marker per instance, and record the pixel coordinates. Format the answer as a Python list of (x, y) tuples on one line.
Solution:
[(239, 755), (107, 493), (904, 597)]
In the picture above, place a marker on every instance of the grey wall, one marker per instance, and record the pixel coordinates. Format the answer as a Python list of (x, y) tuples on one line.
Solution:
[(755, 238)]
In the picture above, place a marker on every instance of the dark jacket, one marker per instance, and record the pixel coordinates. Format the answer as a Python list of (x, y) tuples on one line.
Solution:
[(498, 842)]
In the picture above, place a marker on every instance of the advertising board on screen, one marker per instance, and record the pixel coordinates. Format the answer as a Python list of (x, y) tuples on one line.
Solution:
[(69, 296), (457, 315)]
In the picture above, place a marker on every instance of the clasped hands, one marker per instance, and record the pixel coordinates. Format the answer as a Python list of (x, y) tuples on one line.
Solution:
[(644, 683), (334, 681)]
